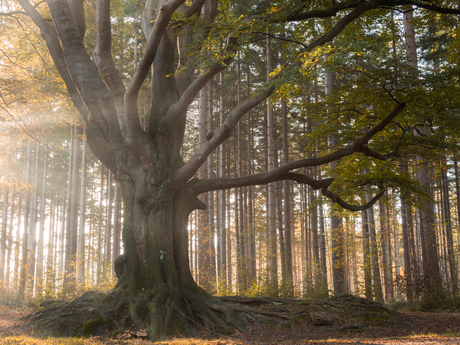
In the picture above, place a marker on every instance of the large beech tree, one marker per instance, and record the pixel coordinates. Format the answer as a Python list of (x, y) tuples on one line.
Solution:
[(159, 188)]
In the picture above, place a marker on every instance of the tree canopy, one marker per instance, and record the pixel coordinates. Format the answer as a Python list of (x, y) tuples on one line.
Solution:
[(134, 70)]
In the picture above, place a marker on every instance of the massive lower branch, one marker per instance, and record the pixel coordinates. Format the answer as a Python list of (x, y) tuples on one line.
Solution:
[(284, 172)]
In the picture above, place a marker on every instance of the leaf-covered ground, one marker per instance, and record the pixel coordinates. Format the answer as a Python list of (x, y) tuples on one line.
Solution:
[(312, 325)]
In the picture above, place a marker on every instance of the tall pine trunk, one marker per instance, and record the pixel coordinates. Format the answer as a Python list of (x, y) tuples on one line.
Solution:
[(272, 239), (41, 237)]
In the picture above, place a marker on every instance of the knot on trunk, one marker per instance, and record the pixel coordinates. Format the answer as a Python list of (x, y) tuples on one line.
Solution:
[(119, 265)]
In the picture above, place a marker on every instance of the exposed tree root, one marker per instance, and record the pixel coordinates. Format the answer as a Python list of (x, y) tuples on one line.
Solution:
[(178, 311)]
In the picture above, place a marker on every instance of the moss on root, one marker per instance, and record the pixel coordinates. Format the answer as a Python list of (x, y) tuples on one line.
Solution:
[(179, 311)]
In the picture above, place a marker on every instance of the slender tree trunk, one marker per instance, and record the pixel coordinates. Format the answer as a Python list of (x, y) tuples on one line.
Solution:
[(322, 244), (62, 236), (17, 248), (336, 219), (25, 236), (239, 225), (72, 216), (108, 228), (50, 269), (31, 261), (41, 235), (221, 209), (385, 239), (251, 223), (366, 256), (354, 260), (10, 248), (68, 220), (229, 238), (448, 226), (287, 203), (407, 255), (457, 192), (81, 229), (378, 294), (272, 240), (74, 209), (281, 235), (99, 228), (3, 243), (211, 212)]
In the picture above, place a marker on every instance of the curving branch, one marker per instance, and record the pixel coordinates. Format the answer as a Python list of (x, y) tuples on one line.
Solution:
[(422, 4), (102, 54), (342, 23), (342, 203), (131, 123), (192, 90), (202, 186), (325, 13), (12, 13), (335, 9), (194, 8), (284, 171), (100, 143), (219, 135)]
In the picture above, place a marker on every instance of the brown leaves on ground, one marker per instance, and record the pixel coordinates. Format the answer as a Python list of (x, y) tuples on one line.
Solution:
[(408, 328), (10, 323)]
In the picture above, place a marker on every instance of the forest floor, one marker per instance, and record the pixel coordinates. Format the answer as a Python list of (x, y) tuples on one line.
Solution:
[(406, 327)]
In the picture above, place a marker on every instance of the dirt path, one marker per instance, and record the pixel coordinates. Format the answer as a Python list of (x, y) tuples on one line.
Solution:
[(408, 328)]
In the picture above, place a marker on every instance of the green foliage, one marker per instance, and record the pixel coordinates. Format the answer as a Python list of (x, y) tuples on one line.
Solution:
[(434, 301)]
